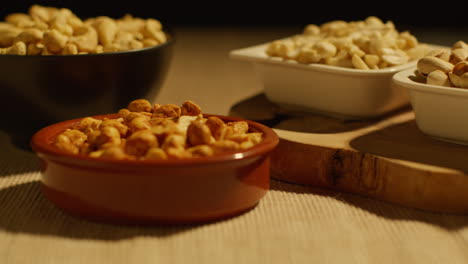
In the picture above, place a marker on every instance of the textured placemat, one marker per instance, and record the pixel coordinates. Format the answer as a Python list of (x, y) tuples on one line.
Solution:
[(292, 224)]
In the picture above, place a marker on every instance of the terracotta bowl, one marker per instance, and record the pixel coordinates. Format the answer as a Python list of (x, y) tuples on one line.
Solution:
[(169, 191)]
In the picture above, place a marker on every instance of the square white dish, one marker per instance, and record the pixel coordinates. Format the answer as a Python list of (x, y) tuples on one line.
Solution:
[(331, 90), (441, 112)]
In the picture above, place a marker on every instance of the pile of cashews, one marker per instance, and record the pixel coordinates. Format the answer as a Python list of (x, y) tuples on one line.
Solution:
[(367, 44), (48, 30)]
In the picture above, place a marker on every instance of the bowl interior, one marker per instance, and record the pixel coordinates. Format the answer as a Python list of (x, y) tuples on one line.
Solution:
[(406, 78)]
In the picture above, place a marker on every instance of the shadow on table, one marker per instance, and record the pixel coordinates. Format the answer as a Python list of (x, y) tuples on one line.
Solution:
[(379, 208), (24, 209), (258, 108), (15, 159), (405, 141)]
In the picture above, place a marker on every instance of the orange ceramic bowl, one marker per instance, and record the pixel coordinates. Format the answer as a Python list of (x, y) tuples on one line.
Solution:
[(168, 191)]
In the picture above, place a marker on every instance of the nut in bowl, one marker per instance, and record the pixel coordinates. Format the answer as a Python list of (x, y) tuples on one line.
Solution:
[(339, 68), (59, 66), (437, 89), (155, 164)]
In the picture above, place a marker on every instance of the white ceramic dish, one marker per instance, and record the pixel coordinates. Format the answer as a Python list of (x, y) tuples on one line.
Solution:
[(441, 112), (336, 91)]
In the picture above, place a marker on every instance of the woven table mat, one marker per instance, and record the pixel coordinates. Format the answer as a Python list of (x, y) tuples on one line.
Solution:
[(291, 224)]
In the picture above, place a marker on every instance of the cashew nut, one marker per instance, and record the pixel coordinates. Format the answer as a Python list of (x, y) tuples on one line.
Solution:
[(8, 34), (42, 12), (30, 35), (312, 29), (106, 29), (72, 20), (59, 22), (152, 29), (54, 41), (85, 38), (70, 49), (35, 48), (19, 48), (48, 30), (20, 20), (130, 24)]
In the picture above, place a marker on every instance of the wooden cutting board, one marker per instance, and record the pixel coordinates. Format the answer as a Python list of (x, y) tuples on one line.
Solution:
[(386, 158)]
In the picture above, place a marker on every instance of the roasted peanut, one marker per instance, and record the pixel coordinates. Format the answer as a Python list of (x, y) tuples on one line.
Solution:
[(190, 108), (239, 127), (178, 153), (140, 142), (117, 123), (139, 123), (107, 136), (217, 127), (141, 135), (198, 133), (155, 154), (225, 145), (167, 110), (140, 105), (174, 141), (88, 124), (113, 152), (70, 140), (201, 151)]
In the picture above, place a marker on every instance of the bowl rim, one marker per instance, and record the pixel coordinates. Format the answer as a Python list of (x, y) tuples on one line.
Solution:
[(41, 144), (256, 54), (402, 78), (170, 41)]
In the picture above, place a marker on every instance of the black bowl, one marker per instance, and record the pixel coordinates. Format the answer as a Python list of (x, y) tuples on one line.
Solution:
[(40, 90)]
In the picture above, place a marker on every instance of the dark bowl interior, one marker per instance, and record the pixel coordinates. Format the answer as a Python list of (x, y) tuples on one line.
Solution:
[(41, 90)]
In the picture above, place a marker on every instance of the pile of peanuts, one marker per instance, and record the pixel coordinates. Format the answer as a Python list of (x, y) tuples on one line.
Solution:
[(58, 31), (445, 67), (143, 131), (368, 44)]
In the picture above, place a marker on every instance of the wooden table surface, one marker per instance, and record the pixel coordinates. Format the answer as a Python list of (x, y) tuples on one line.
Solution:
[(291, 224)]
